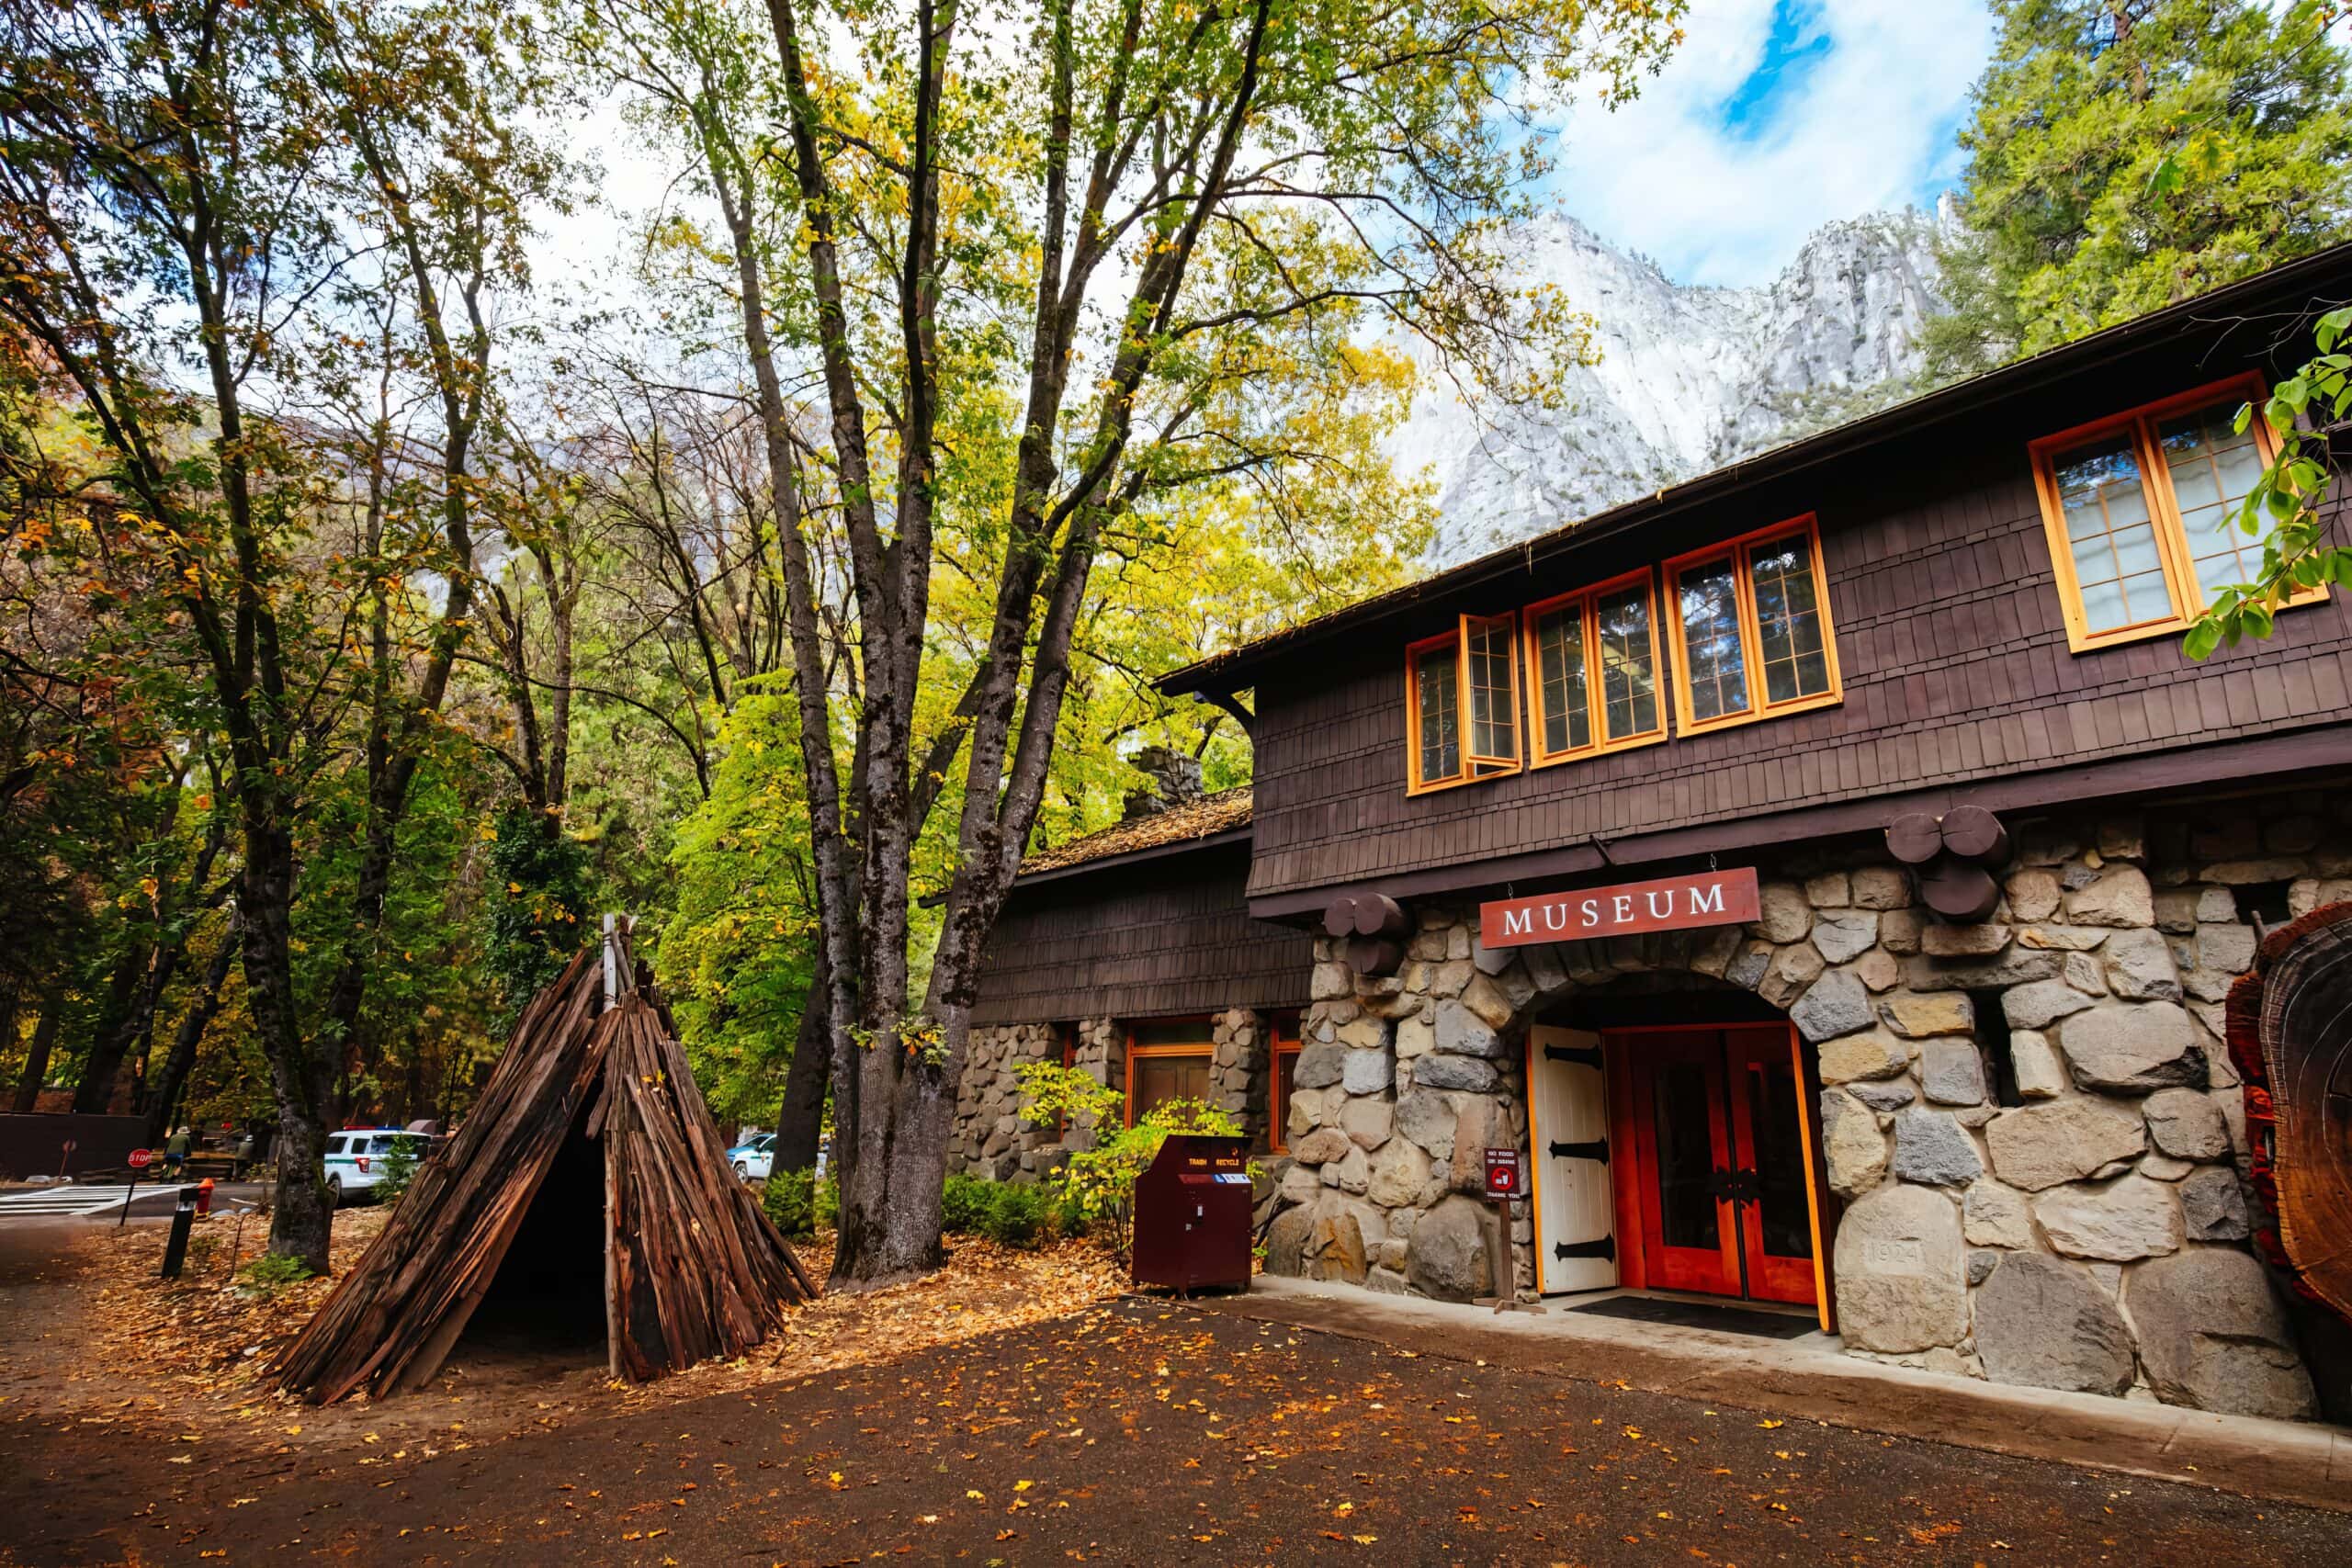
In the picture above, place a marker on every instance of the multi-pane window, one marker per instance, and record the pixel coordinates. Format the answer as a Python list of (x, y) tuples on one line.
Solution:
[(1167, 1061), (1752, 628), (1286, 1044), (1592, 668), (1461, 699), (2140, 510)]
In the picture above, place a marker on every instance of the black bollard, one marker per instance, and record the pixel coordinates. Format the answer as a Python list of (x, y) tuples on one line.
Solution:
[(183, 1221)]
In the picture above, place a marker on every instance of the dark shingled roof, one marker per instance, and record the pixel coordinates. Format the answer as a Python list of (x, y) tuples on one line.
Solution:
[(1205, 817)]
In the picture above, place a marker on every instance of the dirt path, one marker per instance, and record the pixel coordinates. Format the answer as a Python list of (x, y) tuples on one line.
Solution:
[(1140, 1432)]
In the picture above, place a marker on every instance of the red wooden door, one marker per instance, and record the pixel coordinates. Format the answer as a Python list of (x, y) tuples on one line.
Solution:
[(1776, 1214), (1719, 1178), (1682, 1139)]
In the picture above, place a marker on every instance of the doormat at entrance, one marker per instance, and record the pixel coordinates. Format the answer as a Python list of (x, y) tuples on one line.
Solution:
[(1702, 1315)]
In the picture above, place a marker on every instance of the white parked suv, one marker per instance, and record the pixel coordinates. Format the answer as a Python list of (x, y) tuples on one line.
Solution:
[(754, 1158), (356, 1157)]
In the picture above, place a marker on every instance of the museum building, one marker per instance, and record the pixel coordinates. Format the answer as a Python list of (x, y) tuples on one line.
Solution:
[(1829, 874)]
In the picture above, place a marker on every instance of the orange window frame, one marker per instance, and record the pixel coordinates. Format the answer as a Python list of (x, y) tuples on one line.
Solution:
[(1283, 1041), (1741, 552), (1587, 603), (1205, 1050), (1471, 767), (2173, 547)]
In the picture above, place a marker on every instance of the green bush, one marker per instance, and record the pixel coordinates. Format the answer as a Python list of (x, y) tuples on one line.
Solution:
[(1099, 1183), (799, 1204), (1067, 1210), (964, 1206), (397, 1167), (1015, 1215), (272, 1269)]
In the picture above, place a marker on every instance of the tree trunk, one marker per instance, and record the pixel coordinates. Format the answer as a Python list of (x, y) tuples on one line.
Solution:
[(116, 1031), (182, 1060), (800, 1120), (28, 1082), (302, 1078)]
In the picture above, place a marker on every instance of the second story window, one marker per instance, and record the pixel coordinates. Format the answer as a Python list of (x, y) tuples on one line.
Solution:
[(1592, 671), (1462, 704), (1751, 624), (2141, 511)]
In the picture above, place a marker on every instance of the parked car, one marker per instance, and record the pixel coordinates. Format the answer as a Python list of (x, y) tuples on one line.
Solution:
[(754, 1158), (356, 1157)]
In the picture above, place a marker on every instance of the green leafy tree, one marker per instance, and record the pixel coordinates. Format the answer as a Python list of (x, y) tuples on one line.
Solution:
[(539, 914), (2283, 507), (2127, 155), (1098, 1182)]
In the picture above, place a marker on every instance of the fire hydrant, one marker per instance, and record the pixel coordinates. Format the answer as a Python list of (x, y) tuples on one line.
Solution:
[(204, 1196)]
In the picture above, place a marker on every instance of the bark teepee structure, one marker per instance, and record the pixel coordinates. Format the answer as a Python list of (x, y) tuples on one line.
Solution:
[(588, 1170)]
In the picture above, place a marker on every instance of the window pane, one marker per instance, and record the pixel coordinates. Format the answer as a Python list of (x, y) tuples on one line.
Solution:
[(2212, 468), (1788, 620), (1566, 699), (1718, 673), (1628, 671), (1684, 1119), (1440, 700), (1494, 708), (1162, 1078), (2116, 564)]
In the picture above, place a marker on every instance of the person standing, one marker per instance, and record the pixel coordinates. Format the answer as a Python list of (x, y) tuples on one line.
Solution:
[(242, 1157), (176, 1151)]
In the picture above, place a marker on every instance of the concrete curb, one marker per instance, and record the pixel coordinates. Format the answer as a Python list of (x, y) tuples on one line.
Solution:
[(2281, 1461)]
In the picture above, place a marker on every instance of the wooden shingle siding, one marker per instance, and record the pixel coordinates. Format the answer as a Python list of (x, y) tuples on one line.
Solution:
[(1167, 938), (1949, 633)]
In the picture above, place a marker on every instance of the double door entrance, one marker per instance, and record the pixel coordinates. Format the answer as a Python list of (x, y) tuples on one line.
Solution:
[(1674, 1158)]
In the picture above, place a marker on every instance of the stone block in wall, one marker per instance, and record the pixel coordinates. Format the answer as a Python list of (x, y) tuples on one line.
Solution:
[(1941, 941), (1447, 1256), (1440, 1071), (1951, 1072), (1400, 1172), (2033, 1063), (2033, 894), (1748, 966), (1995, 1216), (1843, 937), (2212, 1336), (2212, 1205), (1851, 1144), (1321, 1146), (1415, 1035), (2039, 1146), (1461, 1031), (2187, 1124), (1881, 1094), (1877, 970), (1902, 1284), (1428, 1119), (1931, 1148), (1881, 888), (2246, 873), (2140, 968), (1368, 1071), (2132, 1048), (2015, 965), (2037, 1004), (1915, 1014), (2116, 1222), (1368, 1123), (1321, 1064), (1899, 930), (2119, 895), (1792, 970), (1872, 1054), (1783, 915), (2046, 1323)]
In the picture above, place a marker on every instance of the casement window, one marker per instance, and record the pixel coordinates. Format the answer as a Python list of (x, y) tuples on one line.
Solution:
[(1592, 671), (1281, 1080), (1167, 1059), (2141, 512), (1752, 637), (1462, 704)]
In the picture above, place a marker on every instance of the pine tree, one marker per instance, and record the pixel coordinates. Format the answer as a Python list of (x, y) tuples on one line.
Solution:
[(2127, 155)]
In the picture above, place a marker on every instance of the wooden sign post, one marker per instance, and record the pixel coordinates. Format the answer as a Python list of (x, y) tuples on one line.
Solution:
[(1506, 1179)]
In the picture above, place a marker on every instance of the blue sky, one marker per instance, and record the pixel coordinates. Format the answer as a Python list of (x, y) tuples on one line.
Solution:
[(1774, 118)]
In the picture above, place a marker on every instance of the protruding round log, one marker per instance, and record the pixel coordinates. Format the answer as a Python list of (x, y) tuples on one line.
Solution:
[(1374, 957), (1915, 838), (1376, 914), (1960, 891), (1339, 915), (1974, 833)]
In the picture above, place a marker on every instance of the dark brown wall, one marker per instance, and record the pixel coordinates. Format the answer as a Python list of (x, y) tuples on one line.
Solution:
[(1950, 636), (1165, 938)]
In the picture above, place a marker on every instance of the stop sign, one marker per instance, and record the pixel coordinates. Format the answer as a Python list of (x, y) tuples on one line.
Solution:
[(142, 1158)]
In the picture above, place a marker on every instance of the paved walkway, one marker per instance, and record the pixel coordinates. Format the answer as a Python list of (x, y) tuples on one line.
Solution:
[(1145, 1432), (2292, 1461)]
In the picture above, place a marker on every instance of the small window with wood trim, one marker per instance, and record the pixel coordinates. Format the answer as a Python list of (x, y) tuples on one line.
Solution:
[(1281, 1080), (1752, 637), (1167, 1059), (2140, 510), (1592, 671), (1462, 704)]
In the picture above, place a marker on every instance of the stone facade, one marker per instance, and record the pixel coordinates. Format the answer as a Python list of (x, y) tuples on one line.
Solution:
[(2032, 1121), (990, 1138)]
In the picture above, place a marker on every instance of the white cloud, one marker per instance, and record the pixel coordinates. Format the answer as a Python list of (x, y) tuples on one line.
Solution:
[(1869, 125)]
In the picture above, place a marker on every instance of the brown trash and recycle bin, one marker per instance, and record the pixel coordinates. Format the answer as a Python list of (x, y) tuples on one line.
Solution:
[(1193, 1210)]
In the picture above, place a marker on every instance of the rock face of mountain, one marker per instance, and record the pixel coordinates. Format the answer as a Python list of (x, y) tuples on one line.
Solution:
[(1690, 378)]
